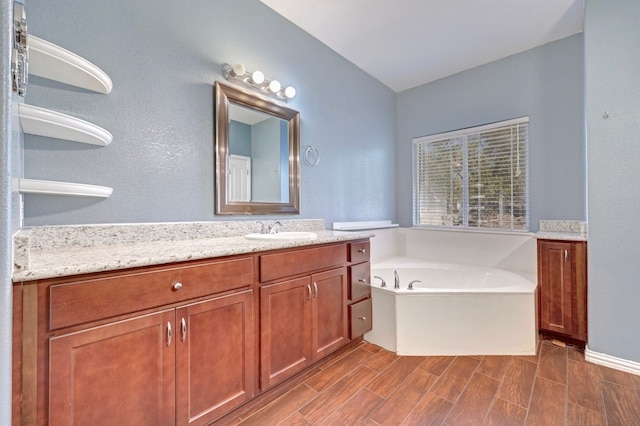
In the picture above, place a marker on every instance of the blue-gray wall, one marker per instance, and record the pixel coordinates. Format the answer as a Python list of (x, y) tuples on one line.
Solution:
[(163, 57), (612, 63), (265, 161), (239, 138), (546, 84)]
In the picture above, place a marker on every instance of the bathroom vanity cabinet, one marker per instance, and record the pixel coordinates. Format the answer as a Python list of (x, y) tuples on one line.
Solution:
[(360, 320), (184, 343), (145, 346), (302, 318), (562, 292)]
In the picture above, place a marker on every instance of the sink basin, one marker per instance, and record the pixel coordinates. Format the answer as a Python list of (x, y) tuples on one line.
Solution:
[(283, 236)]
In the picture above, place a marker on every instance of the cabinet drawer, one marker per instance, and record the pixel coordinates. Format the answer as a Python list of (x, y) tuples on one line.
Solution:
[(285, 264), (99, 298), (359, 281), (359, 318), (359, 252)]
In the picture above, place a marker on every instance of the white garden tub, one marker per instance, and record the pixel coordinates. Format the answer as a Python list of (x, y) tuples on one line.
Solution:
[(453, 310)]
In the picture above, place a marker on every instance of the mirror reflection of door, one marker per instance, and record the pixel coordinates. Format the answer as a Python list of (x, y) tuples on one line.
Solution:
[(239, 178), (264, 139)]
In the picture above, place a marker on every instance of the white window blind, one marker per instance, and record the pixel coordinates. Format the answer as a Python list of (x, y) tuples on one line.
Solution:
[(473, 178)]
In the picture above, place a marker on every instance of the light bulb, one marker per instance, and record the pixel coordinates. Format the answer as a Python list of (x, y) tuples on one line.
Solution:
[(275, 86), (290, 92), (239, 70), (257, 77)]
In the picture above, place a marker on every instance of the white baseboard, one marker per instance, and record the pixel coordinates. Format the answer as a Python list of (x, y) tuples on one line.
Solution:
[(612, 362)]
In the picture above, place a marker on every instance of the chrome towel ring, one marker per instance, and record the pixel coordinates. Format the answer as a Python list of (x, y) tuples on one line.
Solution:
[(311, 156)]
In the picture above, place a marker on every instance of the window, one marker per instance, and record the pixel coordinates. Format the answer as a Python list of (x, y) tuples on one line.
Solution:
[(474, 178)]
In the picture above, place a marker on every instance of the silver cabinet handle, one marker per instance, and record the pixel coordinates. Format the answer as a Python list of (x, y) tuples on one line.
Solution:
[(362, 318), (315, 287), (566, 255), (169, 334), (363, 251), (177, 286), (309, 288), (184, 329)]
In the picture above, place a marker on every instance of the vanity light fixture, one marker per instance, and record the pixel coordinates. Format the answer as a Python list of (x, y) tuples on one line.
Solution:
[(255, 80)]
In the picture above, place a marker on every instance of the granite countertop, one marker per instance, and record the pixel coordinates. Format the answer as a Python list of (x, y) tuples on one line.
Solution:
[(565, 236), (64, 251), (566, 230)]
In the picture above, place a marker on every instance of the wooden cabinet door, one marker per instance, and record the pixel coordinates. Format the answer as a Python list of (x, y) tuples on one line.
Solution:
[(556, 290), (285, 329), (329, 316), (214, 357), (118, 374)]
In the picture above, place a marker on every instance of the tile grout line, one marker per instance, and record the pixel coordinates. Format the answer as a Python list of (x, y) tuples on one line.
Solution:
[(495, 395), (463, 389), (533, 386), (604, 406), (330, 387), (429, 391), (399, 385)]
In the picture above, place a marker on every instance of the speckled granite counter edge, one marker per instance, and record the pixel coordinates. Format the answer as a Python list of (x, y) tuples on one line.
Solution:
[(567, 230), (48, 252), (563, 236)]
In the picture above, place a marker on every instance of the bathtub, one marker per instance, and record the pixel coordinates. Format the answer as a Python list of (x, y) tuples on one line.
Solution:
[(453, 310)]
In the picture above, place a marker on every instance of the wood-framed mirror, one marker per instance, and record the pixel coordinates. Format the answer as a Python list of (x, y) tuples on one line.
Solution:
[(257, 154)]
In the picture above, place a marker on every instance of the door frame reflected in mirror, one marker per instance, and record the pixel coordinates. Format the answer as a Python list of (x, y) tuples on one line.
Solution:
[(223, 96)]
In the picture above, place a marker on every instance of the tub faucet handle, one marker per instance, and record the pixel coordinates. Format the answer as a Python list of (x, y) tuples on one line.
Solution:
[(397, 279), (383, 282), (411, 284)]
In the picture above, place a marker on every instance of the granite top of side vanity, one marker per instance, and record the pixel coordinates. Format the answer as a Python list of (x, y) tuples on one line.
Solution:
[(566, 230), (58, 251)]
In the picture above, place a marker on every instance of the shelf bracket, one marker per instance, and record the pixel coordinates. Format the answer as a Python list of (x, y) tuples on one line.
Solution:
[(20, 53)]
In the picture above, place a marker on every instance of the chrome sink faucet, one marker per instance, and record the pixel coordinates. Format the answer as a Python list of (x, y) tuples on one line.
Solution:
[(273, 229), (397, 279)]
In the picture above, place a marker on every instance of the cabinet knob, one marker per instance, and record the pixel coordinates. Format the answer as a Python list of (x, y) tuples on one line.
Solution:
[(177, 286), (363, 251), (362, 280), (362, 318)]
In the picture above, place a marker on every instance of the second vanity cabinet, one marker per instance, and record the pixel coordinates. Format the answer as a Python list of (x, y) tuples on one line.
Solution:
[(302, 318), (182, 344), (562, 293)]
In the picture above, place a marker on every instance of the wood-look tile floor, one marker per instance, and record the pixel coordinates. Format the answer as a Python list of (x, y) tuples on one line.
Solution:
[(371, 386)]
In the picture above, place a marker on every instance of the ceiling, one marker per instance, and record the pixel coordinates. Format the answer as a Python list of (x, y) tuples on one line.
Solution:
[(407, 43)]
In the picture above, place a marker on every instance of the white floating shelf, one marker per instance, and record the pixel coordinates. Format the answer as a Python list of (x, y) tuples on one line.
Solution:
[(33, 186), (360, 226), (55, 63), (45, 122)]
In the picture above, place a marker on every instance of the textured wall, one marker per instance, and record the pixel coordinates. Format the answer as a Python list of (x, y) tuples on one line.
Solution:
[(163, 57), (546, 84), (612, 63)]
